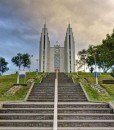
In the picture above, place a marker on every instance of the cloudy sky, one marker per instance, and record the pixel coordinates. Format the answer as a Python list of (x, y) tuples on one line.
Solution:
[(21, 22)]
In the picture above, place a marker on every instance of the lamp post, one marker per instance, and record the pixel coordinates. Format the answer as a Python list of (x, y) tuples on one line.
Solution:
[(94, 57), (37, 65), (96, 76), (19, 69), (76, 63), (84, 57), (30, 61), (0, 67)]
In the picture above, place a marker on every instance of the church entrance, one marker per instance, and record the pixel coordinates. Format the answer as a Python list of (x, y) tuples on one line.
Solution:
[(57, 58)]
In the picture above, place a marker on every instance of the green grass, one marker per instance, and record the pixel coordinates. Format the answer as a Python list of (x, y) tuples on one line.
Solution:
[(7, 81), (110, 89), (87, 80)]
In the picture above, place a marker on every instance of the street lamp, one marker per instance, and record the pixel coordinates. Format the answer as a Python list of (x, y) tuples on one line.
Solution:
[(0, 67), (76, 63), (94, 57), (30, 62), (96, 75), (84, 57), (37, 64)]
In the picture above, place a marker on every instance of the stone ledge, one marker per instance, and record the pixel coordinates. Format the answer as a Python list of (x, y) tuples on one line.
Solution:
[(111, 104), (29, 91), (84, 92)]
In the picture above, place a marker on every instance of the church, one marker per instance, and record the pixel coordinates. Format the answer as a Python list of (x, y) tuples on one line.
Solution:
[(57, 57)]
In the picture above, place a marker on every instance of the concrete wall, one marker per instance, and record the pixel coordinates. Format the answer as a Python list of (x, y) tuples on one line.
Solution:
[(62, 67), (51, 68)]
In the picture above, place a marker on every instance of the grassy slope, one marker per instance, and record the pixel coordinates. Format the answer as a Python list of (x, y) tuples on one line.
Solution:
[(93, 94), (7, 81)]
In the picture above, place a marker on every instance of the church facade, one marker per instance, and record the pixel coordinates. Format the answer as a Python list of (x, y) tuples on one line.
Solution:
[(57, 57)]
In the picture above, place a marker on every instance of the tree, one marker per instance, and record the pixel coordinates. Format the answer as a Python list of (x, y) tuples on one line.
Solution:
[(82, 55), (103, 54), (3, 65), (22, 60), (18, 60), (26, 60)]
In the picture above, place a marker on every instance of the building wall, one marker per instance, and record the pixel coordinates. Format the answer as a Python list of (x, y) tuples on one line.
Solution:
[(69, 50), (51, 68), (62, 69), (44, 55)]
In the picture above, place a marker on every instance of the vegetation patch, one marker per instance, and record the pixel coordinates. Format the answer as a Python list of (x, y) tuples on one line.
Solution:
[(88, 81), (7, 93)]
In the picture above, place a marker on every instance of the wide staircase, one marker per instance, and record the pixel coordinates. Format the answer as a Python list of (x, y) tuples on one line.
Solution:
[(74, 111)]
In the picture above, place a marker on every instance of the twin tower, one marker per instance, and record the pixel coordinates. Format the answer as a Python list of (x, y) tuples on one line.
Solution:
[(57, 57)]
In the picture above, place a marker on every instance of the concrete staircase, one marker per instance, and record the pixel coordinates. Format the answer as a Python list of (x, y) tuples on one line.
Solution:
[(43, 92), (36, 113), (74, 111), (68, 91)]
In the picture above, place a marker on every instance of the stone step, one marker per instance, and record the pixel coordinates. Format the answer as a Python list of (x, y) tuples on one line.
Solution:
[(86, 123), (27, 106), (70, 92), (85, 128), (71, 96), (83, 105), (43, 94), (86, 117), (84, 110), (69, 87), (40, 92), (44, 85), (26, 116), (59, 128), (26, 128), (72, 100), (41, 97), (41, 88), (26, 110), (73, 93), (26, 123), (40, 100)]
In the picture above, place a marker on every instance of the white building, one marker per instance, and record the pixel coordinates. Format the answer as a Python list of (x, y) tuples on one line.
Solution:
[(53, 58)]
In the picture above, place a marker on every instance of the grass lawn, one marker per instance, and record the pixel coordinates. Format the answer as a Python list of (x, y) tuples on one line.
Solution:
[(87, 80), (7, 81)]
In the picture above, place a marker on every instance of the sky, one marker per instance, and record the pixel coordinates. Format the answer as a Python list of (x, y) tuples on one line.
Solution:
[(21, 22)]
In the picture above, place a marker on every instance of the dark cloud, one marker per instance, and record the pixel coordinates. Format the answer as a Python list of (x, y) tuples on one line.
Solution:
[(21, 22)]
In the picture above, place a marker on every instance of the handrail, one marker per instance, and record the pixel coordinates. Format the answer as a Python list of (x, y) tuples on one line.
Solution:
[(55, 103)]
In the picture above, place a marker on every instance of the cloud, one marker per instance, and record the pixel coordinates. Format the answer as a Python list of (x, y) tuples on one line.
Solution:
[(21, 22)]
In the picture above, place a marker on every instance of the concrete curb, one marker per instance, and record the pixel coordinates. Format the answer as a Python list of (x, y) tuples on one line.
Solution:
[(1, 104), (85, 92), (111, 105), (29, 91)]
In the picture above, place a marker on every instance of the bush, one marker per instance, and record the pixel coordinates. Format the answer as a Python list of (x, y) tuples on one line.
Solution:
[(112, 72)]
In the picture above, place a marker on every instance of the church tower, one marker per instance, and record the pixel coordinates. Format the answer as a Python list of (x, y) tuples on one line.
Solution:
[(44, 51), (69, 51)]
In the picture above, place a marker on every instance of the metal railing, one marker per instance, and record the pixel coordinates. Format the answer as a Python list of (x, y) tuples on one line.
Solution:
[(55, 103)]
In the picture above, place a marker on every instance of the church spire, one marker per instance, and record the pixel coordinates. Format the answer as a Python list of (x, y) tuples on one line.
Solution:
[(45, 23)]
